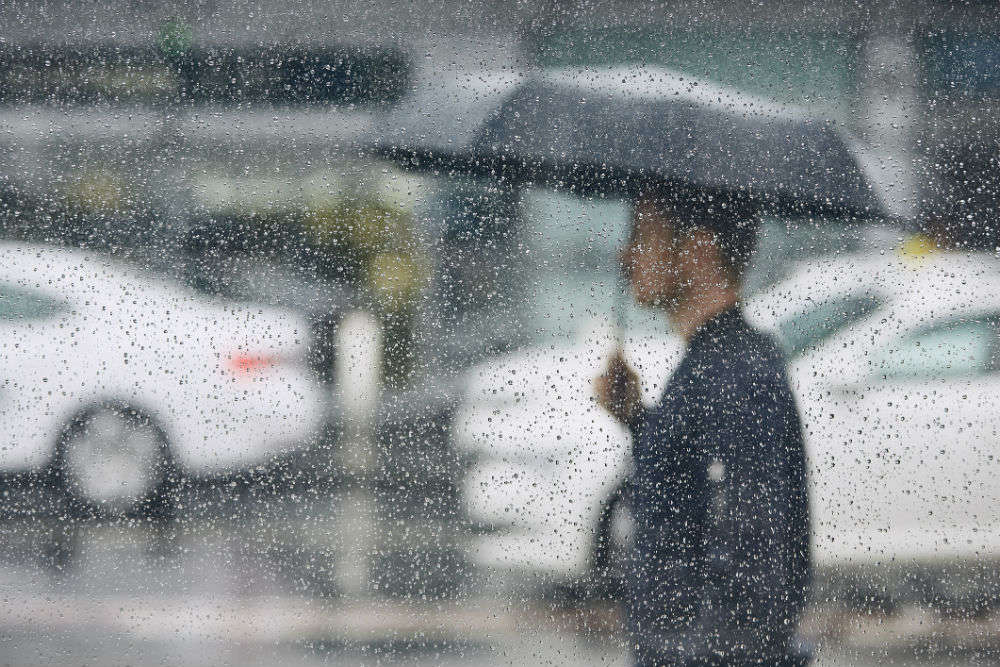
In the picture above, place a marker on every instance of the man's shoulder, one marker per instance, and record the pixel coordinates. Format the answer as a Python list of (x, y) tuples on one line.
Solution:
[(747, 373), (754, 353), (763, 350)]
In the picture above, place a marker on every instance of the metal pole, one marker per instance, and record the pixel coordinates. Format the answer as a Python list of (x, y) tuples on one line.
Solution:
[(358, 375), (888, 116)]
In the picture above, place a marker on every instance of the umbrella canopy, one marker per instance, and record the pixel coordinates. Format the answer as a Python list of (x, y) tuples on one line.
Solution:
[(614, 129)]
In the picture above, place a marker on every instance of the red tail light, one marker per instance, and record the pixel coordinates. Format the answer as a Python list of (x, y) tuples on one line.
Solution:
[(242, 364)]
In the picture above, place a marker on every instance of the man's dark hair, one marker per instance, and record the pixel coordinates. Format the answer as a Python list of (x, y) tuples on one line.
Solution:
[(731, 218)]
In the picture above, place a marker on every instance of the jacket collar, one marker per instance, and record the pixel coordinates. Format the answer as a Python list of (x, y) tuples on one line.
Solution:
[(717, 327)]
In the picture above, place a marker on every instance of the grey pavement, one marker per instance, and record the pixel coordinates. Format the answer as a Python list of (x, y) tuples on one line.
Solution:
[(253, 582)]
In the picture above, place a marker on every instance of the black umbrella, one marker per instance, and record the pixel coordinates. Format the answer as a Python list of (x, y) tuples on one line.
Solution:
[(617, 128)]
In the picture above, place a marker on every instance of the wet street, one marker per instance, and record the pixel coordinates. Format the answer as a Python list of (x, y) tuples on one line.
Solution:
[(245, 581)]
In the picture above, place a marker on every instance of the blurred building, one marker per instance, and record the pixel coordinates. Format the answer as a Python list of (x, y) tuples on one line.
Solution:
[(217, 136)]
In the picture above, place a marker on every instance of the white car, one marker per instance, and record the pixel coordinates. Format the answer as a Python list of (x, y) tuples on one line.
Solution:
[(113, 379), (895, 360)]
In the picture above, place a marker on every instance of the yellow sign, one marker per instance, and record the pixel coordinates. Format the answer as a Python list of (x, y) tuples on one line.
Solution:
[(916, 249)]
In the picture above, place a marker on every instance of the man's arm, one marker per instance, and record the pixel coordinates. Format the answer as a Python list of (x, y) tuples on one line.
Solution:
[(766, 515)]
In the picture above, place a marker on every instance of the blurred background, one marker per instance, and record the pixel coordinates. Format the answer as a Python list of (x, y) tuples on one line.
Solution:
[(269, 399)]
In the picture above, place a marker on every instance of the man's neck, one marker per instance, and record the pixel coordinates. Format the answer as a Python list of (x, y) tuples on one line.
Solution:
[(699, 306)]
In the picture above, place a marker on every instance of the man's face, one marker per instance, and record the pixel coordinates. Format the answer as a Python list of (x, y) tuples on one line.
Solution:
[(651, 259)]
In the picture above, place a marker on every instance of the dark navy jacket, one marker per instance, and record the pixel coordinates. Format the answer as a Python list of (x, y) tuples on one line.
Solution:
[(721, 563)]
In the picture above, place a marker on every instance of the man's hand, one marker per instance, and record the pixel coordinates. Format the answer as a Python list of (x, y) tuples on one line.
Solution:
[(618, 391)]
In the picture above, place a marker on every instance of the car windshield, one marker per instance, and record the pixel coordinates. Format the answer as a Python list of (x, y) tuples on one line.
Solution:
[(20, 304), (824, 319), (958, 348)]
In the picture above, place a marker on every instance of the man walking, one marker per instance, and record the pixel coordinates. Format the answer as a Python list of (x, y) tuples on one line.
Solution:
[(720, 569)]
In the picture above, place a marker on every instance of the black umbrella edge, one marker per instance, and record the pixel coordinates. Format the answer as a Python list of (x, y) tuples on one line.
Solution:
[(609, 180)]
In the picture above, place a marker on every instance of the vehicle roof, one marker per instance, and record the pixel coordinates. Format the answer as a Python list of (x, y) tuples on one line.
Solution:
[(960, 279), (69, 269), (96, 278), (147, 304)]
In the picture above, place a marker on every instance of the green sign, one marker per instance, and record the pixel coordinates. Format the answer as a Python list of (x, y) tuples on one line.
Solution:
[(175, 38)]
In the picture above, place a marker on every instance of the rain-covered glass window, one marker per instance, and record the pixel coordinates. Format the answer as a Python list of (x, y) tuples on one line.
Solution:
[(550, 332)]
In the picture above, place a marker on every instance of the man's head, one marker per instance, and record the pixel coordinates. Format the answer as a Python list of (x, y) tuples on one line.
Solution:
[(684, 242)]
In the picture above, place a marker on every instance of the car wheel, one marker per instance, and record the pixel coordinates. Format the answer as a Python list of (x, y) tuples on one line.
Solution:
[(114, 461), (612, 547)]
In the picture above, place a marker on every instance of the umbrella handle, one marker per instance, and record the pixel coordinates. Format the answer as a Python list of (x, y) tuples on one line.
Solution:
[(622, 299)]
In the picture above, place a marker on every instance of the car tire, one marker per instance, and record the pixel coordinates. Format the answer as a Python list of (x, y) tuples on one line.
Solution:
[(612, 547), (113, 461)]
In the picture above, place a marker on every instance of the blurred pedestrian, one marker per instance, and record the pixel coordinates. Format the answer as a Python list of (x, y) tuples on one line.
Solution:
[(721, 566)]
